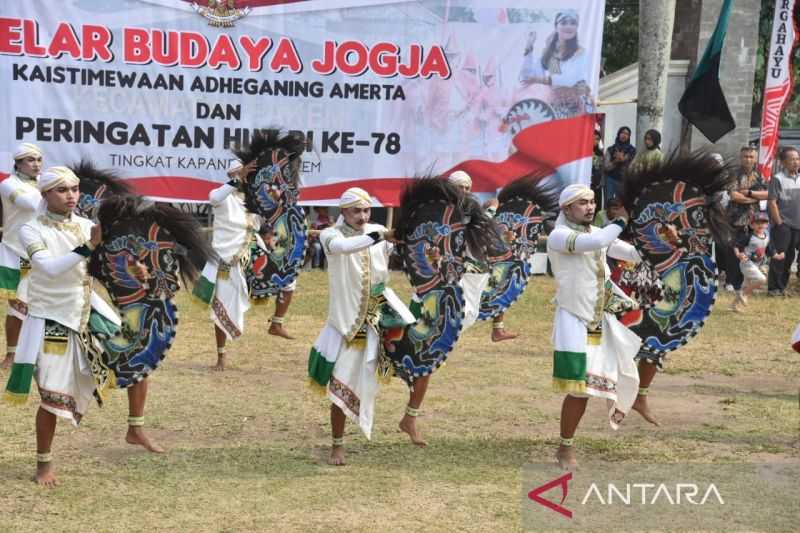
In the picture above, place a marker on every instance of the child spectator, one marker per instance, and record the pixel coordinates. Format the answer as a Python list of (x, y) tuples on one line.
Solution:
[(752, 249)]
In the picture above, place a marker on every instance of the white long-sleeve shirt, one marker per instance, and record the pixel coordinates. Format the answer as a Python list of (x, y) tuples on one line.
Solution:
[(21, 200)]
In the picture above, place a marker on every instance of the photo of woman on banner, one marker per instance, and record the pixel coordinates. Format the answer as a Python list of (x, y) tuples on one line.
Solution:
[(562, 69), (451, 104)]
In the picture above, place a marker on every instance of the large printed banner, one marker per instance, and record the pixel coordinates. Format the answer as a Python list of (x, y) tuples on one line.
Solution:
[(382, 90), (778, 85)]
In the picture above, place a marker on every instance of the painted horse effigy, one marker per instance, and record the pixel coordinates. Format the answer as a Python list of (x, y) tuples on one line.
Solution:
[(676, 284), (272, 193), (137, 234), (435, 233), (520, 218)]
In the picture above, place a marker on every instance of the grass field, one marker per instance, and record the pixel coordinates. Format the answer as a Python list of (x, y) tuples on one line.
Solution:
[(247, 448)]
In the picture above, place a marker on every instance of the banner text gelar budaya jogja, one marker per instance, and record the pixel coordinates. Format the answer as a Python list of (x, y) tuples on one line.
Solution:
[(192, 49)]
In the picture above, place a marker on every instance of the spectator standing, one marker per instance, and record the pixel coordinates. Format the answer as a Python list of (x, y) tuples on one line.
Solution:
[(783, 203), (652, 154), (597, 168), (618, 156), (748, 190), (322, 221)]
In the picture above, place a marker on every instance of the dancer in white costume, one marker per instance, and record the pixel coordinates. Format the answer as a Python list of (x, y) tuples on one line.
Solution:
[(54, 335), (475, 279), (346, 355), (21, 199), (594, 353), (223, 285)]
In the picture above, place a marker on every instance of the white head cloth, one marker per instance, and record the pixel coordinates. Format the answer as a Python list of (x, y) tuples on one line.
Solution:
[(355, 197), (55, 177), (27, 150), (573, 193), (235, 167), (460, 178)]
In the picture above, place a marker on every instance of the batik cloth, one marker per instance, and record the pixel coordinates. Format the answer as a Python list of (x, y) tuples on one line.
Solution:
[(62, 372), (14, 272), (597, 362), (230, 302), (348, 371)]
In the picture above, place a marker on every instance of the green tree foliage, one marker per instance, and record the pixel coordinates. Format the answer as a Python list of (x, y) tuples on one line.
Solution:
[(620, 34), (791, 113)]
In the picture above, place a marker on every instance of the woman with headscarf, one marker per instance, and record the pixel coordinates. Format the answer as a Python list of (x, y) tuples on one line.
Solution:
[(652, 154), (618, 156), (564, 66)]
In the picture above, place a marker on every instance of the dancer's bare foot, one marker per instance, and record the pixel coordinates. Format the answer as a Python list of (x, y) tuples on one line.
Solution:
[(409, 425), (279, 331), (502, 335), (567, 460), (641, 407), (220, 366), (337, 456), (45, 475), (138, 437), (9, 358)]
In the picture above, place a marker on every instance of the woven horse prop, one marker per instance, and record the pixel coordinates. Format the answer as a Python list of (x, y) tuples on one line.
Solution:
[(519, 213), (434, 231), (271, 192), (136, 233), (677, 285)]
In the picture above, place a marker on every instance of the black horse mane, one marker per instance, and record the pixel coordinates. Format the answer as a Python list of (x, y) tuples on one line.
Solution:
[(698, 169), (481, 231), (182, 226), (483, 236), (528, 188), (269, 140), (418, 191), (95, 177)]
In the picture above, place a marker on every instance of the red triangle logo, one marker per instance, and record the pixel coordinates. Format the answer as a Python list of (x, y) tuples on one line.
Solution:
[(562, 481)]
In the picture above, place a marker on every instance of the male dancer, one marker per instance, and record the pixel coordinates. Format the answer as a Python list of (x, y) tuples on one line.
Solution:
[(594, 353), (474, 282), (53, 336), (20, 198), (223, 284), (346, 356)]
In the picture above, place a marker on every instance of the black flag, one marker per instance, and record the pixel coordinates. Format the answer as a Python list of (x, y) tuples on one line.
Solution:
[(703, 103)]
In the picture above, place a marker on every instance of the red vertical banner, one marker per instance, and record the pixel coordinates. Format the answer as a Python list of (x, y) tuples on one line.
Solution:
[(778, 85)]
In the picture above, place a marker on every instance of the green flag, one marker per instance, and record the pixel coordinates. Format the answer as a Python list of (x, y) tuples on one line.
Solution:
[(703, 103)]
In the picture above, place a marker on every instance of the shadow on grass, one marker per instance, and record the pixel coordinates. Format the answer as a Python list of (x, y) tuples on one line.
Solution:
[(448, 459)]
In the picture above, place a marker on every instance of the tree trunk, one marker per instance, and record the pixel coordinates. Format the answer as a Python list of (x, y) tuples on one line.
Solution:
[(656, 19)]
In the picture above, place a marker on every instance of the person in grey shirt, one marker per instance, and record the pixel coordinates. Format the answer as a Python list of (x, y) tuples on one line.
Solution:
[(783, 204)]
